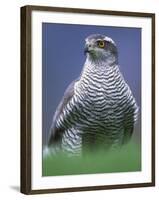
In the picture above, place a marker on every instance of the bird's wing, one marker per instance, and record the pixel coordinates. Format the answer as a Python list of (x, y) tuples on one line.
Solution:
[(56, 131)]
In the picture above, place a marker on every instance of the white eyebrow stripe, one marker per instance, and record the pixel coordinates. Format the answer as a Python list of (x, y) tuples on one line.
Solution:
[(105, 38), (109, 40)]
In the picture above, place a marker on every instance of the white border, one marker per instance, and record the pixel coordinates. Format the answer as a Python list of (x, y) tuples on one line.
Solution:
[(39, 182)]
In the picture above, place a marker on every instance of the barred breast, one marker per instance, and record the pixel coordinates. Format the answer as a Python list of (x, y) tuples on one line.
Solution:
[(104, 110)]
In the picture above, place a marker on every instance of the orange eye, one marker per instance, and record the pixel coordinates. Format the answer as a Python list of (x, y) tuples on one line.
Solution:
[(101, 43)]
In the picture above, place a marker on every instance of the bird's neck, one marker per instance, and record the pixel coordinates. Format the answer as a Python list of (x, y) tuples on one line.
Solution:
[(99, 67), (97, 72), (106, 60)]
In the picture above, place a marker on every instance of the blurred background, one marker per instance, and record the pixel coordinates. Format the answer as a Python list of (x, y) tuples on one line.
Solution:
[(63, 59)]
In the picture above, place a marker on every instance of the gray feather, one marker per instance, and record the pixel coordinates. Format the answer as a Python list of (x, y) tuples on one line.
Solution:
[(56, 132)]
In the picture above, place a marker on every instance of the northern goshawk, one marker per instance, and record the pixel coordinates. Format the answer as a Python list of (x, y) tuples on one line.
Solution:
[(98, 109)]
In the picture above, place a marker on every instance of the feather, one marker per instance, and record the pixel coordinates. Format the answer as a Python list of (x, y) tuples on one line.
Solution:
[(55, 135)]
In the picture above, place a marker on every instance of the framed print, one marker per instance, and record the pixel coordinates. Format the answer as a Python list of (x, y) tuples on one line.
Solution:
[(87, 99)]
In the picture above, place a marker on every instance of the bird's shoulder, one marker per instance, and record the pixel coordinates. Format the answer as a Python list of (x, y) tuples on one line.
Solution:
[(55, 132), (68, 94)]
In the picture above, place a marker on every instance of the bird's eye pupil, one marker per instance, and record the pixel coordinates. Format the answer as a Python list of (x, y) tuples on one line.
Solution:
[(101, 44)]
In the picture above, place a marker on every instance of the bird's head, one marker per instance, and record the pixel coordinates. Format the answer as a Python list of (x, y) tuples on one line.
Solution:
[(100, 48)]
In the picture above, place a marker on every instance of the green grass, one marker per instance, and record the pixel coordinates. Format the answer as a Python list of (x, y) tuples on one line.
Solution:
[(127, 159)]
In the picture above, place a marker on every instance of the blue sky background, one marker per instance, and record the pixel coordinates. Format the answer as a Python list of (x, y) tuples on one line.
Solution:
[(63, 59)]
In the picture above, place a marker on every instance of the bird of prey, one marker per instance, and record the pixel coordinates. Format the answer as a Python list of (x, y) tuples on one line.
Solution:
[(98, 109)]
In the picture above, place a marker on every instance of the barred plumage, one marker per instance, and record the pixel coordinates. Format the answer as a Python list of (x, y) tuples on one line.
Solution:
[(98, 110)]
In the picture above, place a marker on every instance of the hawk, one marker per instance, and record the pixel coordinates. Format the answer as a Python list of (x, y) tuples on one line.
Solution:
[(98, 109)]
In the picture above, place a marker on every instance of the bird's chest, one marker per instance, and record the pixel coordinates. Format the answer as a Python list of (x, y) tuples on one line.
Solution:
[(98, 103), (100, 93)]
